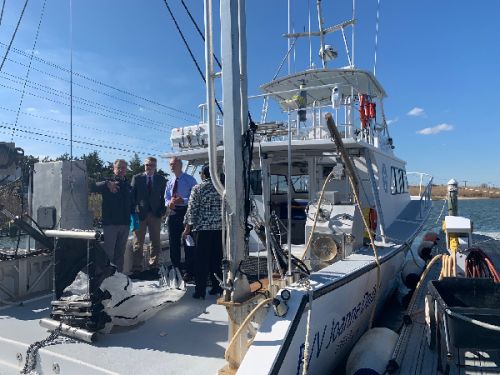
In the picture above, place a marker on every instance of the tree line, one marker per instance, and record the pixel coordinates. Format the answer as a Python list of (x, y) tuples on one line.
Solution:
[(97, 168)]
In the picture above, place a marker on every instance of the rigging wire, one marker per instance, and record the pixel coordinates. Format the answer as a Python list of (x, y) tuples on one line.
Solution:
[(93, 104), (189, 50), (100, 83), (66, 139), (14, 34), (94, 90), (87, 148), (71, 81), (185, 41), (29, 69), (88, 111), (376, 39), (81, 126), (82, 137), (1, 12), (199, 30)]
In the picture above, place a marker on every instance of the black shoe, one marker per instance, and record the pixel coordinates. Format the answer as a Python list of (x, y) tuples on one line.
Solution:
[(215, 291), (197, 295)]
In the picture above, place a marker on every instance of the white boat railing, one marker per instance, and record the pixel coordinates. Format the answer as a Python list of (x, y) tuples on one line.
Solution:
[(425, 189)]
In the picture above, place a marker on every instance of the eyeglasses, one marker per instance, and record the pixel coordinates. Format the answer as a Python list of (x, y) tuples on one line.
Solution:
[(149, 165)]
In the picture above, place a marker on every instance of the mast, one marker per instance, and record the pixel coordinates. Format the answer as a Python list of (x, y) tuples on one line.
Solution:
[(234, 123)]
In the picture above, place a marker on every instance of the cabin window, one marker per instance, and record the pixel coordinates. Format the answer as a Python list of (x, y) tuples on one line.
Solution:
[(300, 183), (279, 184), (399, 181)]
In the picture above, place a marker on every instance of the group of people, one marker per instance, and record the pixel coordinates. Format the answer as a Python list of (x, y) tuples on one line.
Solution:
[(194, 209)]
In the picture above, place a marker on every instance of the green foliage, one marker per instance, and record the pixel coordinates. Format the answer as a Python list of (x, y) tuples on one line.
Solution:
[(135, 166), (95, 166)]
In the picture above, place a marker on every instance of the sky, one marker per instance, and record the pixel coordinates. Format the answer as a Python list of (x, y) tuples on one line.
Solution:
[(133, 79)]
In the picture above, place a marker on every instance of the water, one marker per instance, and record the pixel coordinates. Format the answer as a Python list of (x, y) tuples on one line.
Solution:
[(484, 213)]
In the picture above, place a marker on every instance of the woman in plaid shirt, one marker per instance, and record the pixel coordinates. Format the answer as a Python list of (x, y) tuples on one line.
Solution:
[(203, 221)]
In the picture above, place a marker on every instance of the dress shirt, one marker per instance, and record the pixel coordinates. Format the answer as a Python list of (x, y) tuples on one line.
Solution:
[(185, 183)]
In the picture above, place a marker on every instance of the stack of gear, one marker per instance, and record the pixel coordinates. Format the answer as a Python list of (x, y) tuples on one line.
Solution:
[(80, 267)]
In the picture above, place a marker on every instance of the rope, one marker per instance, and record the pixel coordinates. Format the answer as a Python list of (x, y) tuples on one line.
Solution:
[(318, 209), (473, 321), (448, 268), (13, 35), (421, 280), (240, 329), (305, 367), (442, 210)]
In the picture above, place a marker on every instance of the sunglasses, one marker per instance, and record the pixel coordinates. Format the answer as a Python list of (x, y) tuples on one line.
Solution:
[(149, 165)]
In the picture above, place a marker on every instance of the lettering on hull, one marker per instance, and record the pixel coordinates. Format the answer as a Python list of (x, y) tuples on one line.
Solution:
[(336, 331)]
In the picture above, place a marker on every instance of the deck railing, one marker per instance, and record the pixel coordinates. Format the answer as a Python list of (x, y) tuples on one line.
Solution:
[(424, 191)]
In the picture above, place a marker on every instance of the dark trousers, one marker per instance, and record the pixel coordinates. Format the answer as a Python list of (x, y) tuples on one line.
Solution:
[(175, 228), (208, 258)]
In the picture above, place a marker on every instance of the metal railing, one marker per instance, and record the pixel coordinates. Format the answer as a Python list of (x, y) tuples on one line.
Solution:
[(425, 189)]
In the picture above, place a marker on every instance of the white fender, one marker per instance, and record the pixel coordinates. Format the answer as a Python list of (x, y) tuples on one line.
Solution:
[(412, 269), (372, 352)]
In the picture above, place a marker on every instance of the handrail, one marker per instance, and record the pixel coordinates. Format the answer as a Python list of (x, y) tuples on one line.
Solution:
[(425, 195)]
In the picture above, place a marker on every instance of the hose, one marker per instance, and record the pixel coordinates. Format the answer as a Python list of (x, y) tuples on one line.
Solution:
[(473, 321), (422, 278)]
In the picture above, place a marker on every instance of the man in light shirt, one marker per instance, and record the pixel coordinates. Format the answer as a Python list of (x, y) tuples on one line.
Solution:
[(176, 198)]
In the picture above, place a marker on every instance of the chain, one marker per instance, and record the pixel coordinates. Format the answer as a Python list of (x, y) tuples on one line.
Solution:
[(32, 351)]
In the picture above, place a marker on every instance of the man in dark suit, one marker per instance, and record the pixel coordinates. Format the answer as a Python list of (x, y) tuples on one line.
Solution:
[(147, 192)]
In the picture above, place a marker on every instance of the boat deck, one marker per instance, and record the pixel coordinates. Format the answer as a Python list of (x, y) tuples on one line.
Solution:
[(413, 356), (153, 347)]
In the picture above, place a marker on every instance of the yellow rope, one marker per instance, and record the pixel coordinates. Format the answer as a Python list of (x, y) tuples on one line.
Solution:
[(448, 268), (316, 215), (240, 329)]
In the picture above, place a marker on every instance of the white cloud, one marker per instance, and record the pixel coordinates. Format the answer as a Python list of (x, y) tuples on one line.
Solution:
[(392, 121), (416, 112), (141, 109), (31, 109), (55, 111), (436, 129)]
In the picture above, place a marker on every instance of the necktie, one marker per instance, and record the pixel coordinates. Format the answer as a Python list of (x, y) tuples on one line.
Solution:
[(174, 189), (150, 184)]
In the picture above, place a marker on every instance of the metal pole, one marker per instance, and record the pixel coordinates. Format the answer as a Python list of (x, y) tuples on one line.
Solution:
[(353, 31), (210, 93), (266, 199), (243, 66), (321, 36), (289, 32), (289, 199), (233, 146)]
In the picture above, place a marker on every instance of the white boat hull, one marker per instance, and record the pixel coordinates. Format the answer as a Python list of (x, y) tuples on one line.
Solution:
[(341, 308)]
